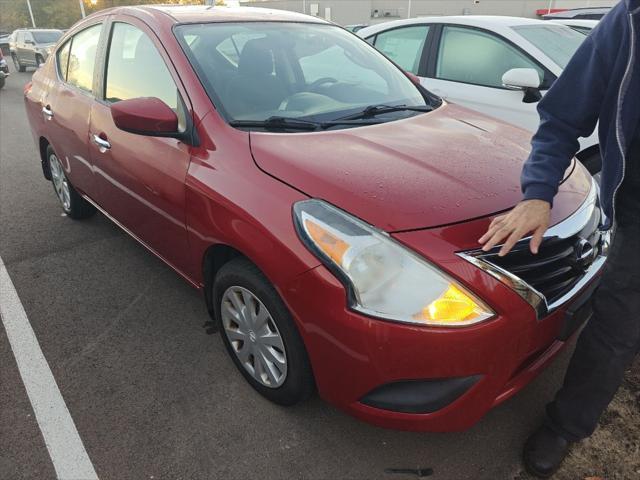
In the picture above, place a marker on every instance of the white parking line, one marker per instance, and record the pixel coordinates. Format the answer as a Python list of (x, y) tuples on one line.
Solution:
[(66, 450)]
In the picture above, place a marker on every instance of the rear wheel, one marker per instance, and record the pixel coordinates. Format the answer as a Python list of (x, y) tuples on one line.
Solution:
[(260, 334), (17, 64), (72, 202)]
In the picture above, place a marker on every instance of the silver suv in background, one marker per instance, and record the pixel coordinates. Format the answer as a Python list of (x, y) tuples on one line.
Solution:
[(31, 47)]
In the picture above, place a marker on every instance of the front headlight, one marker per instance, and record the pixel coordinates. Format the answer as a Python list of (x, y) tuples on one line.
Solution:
[(383, 278)]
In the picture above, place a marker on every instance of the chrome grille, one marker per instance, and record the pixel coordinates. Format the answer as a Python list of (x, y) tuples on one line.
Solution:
[(557, 268), (571, 254)]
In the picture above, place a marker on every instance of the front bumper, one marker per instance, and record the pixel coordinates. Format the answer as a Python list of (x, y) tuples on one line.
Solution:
[(354, 356)]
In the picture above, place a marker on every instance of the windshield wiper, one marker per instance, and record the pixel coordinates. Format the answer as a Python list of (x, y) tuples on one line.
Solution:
[(373, 110), (278, 123), (288, 123)]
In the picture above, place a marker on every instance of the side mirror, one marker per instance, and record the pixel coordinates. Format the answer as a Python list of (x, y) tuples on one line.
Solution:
[(148, 116), (29, 42), (525, 79), (413, 77), (521, 78)]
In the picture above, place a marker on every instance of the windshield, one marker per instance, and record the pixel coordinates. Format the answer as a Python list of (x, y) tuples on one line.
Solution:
[(258, 70), (557, 42), (47, 37)]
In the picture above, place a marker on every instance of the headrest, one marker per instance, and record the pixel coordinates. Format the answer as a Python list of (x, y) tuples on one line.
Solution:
[(145, 50), (256, 58)]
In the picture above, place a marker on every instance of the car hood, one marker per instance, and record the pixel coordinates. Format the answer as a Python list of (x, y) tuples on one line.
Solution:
[(433, 169)]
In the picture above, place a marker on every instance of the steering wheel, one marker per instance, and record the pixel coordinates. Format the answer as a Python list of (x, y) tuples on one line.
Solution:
[(321, 81)]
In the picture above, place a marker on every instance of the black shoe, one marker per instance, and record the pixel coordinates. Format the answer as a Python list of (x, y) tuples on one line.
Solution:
[(544, 451)]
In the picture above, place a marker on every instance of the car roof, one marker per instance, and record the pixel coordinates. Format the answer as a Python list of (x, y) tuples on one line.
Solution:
[(487, 21), (209, 14)]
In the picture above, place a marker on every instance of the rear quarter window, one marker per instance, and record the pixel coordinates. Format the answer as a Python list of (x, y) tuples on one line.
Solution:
[(62, 57), (82, 58)]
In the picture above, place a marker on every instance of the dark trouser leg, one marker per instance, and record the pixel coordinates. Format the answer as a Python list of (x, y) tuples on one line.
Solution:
[(607, 344)]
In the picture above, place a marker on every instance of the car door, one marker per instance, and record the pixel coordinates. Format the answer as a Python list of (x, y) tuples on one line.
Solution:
[(140, 179), (66, 105), (405, 46), (468, 70), (21, 47), (29, 48)]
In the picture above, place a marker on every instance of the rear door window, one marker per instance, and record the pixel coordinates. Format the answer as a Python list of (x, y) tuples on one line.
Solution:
[(404, 45), (82, 58), (63, 59)]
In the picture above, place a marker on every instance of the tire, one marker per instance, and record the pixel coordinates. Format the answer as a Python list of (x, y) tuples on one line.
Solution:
[(593, 163), (17, 64), (39, 61), (242, 279), (71, 201), (2, 80)]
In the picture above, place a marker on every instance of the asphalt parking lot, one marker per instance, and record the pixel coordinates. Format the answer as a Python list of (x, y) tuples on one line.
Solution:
[(152, 393)]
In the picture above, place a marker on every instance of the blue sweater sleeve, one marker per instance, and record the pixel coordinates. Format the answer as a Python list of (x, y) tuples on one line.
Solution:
[(568, 111)]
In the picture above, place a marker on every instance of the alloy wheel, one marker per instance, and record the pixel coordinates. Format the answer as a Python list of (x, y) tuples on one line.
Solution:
[(254, 336), (60, 182)]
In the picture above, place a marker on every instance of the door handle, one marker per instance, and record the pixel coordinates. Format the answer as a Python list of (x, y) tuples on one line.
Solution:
[(102, 144), (47, 112)]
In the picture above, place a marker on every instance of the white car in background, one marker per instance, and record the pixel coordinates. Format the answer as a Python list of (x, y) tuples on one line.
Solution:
[(500, 66)]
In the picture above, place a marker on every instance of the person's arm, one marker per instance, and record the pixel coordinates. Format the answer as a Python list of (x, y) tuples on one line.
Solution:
[(568, 111)]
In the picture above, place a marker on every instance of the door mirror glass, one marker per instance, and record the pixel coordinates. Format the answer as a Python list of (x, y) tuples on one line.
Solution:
[(521, 78), (146, 116)]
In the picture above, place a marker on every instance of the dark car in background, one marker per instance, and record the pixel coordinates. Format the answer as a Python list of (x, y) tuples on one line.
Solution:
[(4, 42), (356, 27), (31, 47), (4, 69), (588, 13)]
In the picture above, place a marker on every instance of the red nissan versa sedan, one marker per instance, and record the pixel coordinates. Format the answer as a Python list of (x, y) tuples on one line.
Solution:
[(327, 206)]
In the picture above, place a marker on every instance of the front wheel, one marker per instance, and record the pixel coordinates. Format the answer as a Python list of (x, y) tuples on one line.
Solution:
[(39, 61), (72, 202), (260, 334), (593, 163)]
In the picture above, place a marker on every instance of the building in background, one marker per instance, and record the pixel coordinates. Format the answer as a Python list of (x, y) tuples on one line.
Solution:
[(348, 12)]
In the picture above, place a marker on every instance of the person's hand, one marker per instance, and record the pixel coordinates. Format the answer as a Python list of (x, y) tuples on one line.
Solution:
[(528, 216)]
